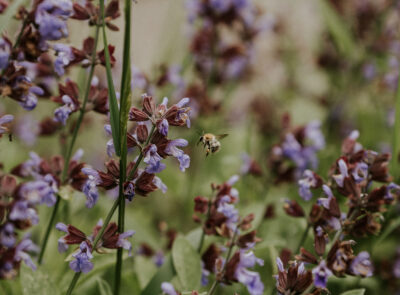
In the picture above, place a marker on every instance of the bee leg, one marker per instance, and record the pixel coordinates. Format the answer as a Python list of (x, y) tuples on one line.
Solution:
[(200, 140)]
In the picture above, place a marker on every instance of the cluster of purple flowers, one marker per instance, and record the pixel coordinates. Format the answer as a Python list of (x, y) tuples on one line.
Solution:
[(297, 151), (223, 219), (354, 176), (17, 212), (111, 239)]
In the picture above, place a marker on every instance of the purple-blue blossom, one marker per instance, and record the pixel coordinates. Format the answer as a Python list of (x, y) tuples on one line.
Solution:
[(123, 241), (64, 57), (306, 183), (62, 244), (173, 150), (21, 252), (5, 120), (321, 274), (168, 289), (163, 127), (4, 53), (362, 265), (23, 212), (51, 17), (250, 279), (82, 262), (339, 178), (7, 235), (90, 186), (62, 113), (153, 160)]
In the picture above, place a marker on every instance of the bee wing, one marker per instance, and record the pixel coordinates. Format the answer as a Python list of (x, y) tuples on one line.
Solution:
[(221, 136)]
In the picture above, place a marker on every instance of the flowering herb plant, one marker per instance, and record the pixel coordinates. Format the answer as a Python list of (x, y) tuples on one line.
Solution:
[(103, 189)]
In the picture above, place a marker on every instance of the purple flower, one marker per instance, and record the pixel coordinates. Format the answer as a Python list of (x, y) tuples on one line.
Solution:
[(220, 6), (159, 258), (173, 150), (90, 186), (306, 183), (236, 67), (124, 243), (339, 178), (183, 112), (7, 235), (29, 101), (82, 259), (362, 265), (230, 212), (31, 166), (27, 129), (321, 275), (41, 191), (22, 211), (159, 184), (51, 17), (129, 190), (168, 289), (360, 172), (325, 201), (314, 135), (62, 113), (21, 252), (249, 278), (4, 120), (64, 57), (163, 127), (4, 54), (390, 189), (153, 160), (62, 244)]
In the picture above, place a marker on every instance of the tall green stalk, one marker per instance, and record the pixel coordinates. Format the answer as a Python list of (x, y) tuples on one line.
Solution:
[(125, 104), (71, 145), (396, 134)]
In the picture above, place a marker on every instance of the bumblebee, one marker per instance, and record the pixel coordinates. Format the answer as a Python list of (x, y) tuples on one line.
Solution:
[(211, 142)]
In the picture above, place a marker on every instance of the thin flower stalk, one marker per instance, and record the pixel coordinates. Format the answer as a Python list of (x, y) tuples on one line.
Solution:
[(68, 153)]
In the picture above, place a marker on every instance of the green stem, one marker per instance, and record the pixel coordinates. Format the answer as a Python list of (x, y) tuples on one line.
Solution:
[(213, 287), (73, 282), (123, 118), (228, 255), (203, 234), (71, 146), (48, 229), (132, 173), (396, 135), (112, 210), (303, 238)]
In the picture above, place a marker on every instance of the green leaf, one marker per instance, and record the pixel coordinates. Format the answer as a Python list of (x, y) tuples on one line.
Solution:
[(114, 111), (37, 282), (104, 287), (340, 33), (165, 273), (388, 230), (354, 292), (187, 264)]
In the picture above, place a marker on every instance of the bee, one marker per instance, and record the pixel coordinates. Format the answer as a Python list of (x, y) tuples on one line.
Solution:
[(211, 142)]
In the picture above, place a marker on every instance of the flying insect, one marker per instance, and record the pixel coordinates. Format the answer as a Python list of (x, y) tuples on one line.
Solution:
[(211, 142)]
